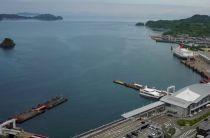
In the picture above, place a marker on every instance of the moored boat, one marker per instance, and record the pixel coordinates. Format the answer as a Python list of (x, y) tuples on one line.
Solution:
[(182, 52), (152, 93)]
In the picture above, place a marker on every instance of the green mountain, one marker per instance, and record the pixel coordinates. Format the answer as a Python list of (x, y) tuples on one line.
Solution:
[(197, 25)]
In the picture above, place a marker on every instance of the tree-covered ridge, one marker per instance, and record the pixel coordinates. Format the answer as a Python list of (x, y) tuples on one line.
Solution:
[(45, 17), (197, 25)]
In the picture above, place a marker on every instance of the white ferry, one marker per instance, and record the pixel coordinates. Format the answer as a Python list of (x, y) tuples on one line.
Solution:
[(152, 93), (182, 52)]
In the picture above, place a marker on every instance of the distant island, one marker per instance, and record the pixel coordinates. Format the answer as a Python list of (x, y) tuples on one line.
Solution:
[(139, 24), (7, 43), (23, 16), (197, 25), (28, 14)]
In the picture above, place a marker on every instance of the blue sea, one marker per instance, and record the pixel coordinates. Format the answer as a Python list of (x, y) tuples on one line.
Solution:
[(79, 60)]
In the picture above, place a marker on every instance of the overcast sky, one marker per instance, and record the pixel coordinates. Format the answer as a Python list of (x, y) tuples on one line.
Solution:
[(116, 8)]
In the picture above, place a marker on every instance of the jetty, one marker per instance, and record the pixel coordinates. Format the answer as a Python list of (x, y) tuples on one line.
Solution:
[(144, 90), (200, 66), (39, 109), (134, 86)]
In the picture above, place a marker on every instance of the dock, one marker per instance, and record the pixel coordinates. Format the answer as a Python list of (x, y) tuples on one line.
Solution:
[(39, 109), (144, 90), (129, 85), (199, 66)]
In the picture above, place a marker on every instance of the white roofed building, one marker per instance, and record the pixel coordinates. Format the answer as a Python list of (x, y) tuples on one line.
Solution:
[(188, 100)]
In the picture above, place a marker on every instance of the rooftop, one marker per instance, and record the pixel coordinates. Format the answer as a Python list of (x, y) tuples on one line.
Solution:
[(142, 109), (188, 95)]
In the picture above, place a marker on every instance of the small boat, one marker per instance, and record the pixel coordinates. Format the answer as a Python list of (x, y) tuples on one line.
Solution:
[(152, 93)]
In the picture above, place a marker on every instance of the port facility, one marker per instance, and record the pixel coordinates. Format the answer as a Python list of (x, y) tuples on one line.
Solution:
[(183, 103)]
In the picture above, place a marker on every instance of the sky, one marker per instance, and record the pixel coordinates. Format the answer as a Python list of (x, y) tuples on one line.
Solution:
[(132, 9)]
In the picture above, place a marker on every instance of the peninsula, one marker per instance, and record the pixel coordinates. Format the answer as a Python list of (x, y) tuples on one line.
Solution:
[(197, 25), (43, 17)]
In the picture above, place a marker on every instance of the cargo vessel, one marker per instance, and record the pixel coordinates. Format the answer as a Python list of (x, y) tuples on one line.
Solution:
[(39, 109)]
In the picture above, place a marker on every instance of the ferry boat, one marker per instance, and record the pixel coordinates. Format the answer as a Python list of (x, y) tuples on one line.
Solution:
[(144, 90), (182, 52), (152, 93)]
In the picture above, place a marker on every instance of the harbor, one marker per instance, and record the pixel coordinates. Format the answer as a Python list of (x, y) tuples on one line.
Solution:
[(40, 74), (154, 120)]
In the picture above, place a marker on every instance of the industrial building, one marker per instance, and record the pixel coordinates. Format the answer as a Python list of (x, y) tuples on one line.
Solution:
[(187, 101)]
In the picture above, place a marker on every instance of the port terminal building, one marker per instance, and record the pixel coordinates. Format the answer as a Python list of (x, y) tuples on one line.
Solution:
[(187, 101), (183, 103)]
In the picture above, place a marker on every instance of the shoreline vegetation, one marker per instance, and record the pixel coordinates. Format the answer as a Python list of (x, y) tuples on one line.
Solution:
[(42, 17), (197, 25), (191, 122)]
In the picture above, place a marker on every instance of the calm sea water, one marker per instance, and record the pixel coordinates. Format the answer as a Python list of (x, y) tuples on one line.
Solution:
[(80, 60)]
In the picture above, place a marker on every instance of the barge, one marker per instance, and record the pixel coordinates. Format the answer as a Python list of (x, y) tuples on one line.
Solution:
[(143, 90), (39, 109)]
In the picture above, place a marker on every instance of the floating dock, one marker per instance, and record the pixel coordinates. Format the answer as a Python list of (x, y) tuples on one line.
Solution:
[(39, 109)]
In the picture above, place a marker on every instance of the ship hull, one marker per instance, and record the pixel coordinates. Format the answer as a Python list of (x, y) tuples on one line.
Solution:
[(148, 96), (179, 56)]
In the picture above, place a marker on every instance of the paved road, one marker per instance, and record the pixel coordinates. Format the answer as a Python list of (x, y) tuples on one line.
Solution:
[(116, 130), (119, 130)]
